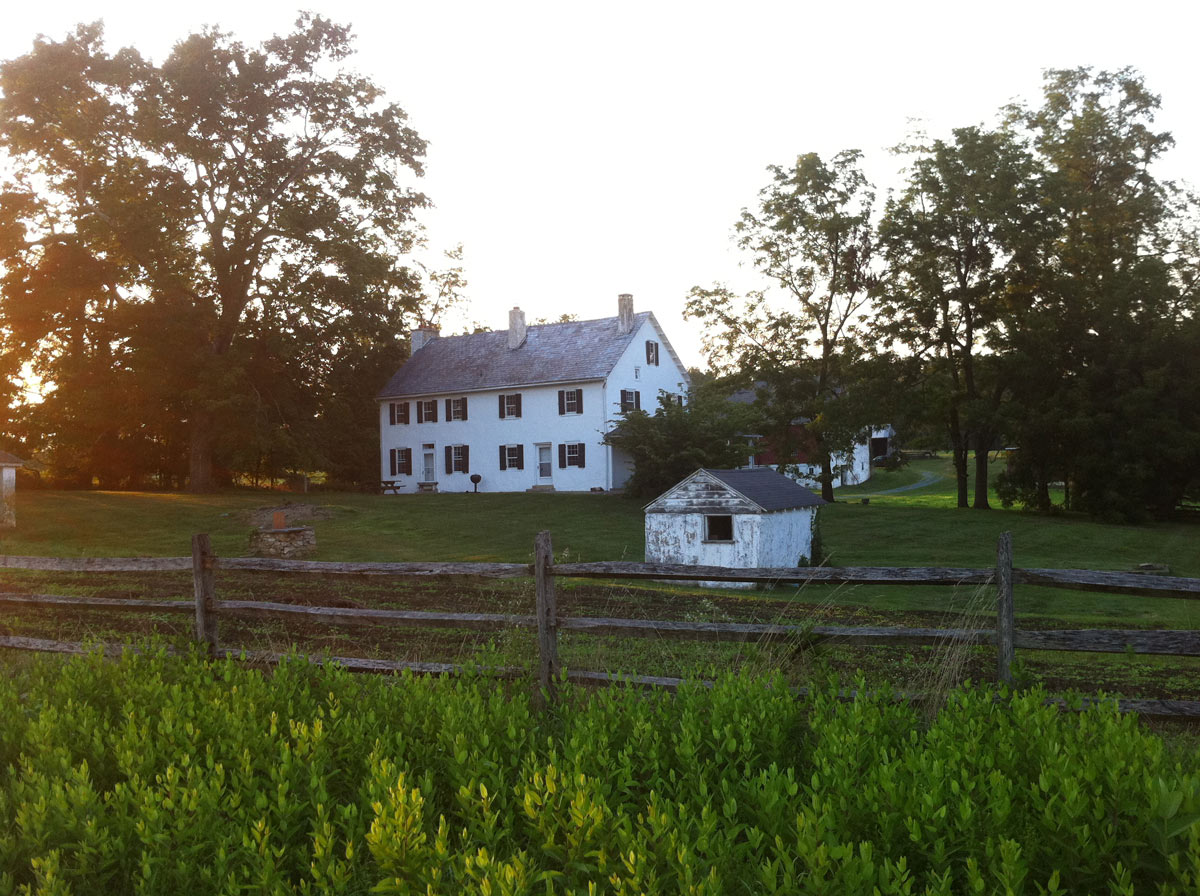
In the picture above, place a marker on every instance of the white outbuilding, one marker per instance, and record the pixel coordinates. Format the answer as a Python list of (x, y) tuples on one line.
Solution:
[(9, 464), (733, 518)]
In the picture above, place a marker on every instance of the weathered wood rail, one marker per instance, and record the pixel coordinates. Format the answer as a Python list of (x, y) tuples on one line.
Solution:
[(207, 609)]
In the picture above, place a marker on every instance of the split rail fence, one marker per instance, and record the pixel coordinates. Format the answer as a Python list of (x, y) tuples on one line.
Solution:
[(1006, 637)]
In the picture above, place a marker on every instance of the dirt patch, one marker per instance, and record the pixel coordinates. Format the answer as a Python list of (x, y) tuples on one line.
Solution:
[(294, 514)]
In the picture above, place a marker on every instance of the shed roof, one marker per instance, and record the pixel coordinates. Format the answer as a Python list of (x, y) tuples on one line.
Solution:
[(768, 489), (10, 460), (758, 490), (571, 352)]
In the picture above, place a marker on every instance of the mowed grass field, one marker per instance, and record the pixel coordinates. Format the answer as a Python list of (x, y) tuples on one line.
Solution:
[(916, 526)]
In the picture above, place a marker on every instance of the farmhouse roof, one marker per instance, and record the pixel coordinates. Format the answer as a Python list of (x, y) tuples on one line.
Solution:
[(10, 460), (768, 489), (571, 352), (755, 490)]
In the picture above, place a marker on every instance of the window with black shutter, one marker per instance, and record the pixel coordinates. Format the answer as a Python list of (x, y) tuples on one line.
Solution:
[(427, 411), (631, 400), (512, 457), (651, 353), (570, 401), (405, 462), (458, 459), (571, 454), (510, 405)]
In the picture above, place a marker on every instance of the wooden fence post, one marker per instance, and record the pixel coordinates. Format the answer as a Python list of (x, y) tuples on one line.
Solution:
[(205, 588), (547, 613), (1005, 622)]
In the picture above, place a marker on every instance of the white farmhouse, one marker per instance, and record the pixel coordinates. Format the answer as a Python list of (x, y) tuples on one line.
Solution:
[(523, 409), (738, 519)]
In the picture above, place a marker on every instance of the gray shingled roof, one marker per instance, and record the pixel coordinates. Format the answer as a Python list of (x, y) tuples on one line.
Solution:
[(10, 460), (768, 489), (571, 352)]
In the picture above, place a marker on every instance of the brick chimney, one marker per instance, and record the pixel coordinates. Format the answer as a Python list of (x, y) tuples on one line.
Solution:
[(516, 328), (625, 313), (421, 337)]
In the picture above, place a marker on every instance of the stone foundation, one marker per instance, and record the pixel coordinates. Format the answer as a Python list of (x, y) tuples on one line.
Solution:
[(292, 543)]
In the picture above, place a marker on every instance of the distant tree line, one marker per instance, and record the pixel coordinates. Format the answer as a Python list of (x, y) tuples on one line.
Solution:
[(1031, 286)]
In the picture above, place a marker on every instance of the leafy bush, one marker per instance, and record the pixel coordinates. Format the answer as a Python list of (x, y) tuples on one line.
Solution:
[(156, 774)]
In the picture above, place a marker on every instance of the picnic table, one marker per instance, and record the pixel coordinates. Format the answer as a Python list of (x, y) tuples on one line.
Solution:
[(390, 486)]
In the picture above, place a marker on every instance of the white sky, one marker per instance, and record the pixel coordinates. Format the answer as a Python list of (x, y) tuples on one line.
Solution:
[(580, 151)]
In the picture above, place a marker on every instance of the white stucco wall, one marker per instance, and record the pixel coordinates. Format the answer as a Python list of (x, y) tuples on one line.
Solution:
[(782, 539), (540, 423)]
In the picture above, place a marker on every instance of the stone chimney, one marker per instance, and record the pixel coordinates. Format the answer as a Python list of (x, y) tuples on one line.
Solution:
[(625, 313), (421, 337), (516, 328)]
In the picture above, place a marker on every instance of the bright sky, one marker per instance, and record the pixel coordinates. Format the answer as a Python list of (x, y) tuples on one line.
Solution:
[(583, 150)]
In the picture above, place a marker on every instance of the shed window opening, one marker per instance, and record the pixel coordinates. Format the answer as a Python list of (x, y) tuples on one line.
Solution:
[(718, 528)]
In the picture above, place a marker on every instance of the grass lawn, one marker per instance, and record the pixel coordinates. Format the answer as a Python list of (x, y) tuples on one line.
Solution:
[(913, 527)]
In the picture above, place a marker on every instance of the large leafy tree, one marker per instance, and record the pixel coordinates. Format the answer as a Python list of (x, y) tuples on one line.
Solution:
[(1104, 379), (812, 237), (678, 439), (191, 249), (961, 241)]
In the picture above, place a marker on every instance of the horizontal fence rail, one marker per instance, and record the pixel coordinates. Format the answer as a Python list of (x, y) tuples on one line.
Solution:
[(207, 609)]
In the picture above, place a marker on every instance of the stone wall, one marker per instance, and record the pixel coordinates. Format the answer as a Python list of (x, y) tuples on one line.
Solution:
[(291, 543)]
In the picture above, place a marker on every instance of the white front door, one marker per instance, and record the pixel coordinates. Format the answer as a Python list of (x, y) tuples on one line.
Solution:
[(545, 468), (430, 470)]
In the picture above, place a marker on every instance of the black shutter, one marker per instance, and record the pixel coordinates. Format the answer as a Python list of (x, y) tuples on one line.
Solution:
[(579, 400), (637, 400), (656, 354), (406, 457), (464, 400), (433, 411), (581, 447), (392, 413), (520, 457), (466, 455), (420, 412), (518, 408), (392, 458), (449, 459), (404, 414), (449, 411), (502, 412), (503, 457), (562, 402), (562, 457)]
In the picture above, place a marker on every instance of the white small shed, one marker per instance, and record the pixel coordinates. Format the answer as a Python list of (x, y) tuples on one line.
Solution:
[(733, 518), (9, 464)]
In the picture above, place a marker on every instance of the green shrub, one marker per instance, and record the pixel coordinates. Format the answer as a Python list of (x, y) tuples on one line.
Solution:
[(157, 774)]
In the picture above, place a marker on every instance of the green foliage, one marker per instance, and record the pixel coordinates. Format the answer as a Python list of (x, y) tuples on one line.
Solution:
[(813, 240), (195, 251), (160, 774), (678, 439)]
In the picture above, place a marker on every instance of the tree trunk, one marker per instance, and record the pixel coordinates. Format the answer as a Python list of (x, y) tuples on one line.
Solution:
[(958, 444), (826, 476), (981, 475), (200, 454)]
